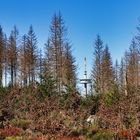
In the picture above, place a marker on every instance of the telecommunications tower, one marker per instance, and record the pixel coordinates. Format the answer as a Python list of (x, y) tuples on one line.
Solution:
[(85, 81)]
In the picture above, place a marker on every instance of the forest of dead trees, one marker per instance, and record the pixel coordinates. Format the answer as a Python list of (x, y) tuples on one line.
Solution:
[(39, 94), (22, 62)]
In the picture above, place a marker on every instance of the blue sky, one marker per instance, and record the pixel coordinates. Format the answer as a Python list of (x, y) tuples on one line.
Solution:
[(114, 20)]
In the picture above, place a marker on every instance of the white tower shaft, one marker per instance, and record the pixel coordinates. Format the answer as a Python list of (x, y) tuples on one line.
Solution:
[(85, 71)]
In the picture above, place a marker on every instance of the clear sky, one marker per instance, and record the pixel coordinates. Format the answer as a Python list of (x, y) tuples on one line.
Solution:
[(114, 20)]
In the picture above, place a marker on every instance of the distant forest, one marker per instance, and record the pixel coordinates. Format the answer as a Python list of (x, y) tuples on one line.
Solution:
[(39, 94)]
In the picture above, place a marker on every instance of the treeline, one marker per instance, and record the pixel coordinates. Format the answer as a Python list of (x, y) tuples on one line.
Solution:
[(22, 63), (124, 75)]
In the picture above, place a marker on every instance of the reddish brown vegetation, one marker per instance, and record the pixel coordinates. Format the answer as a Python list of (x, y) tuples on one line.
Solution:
[(69, 138), (9, 131)]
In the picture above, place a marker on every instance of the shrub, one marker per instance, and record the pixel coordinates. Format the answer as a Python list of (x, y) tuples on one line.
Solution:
[(69, 138), (13, 138), (3, 92), (101, 136), (9, 131), (111, 97), (74, 133), (21, 123)]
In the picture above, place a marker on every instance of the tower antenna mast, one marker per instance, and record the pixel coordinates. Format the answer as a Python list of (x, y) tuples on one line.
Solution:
[(85, 81)]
